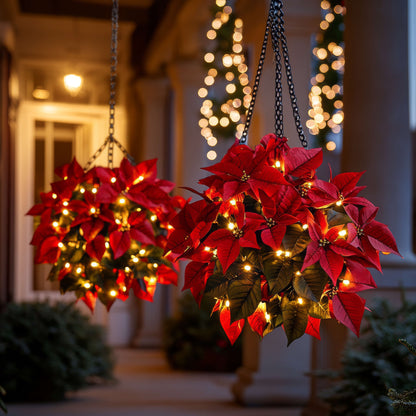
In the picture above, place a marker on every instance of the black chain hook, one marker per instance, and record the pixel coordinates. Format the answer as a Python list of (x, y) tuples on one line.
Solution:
[(275, 25)]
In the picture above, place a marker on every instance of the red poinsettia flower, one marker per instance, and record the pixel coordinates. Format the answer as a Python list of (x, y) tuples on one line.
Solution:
[(341, 190), (242, 170), (190, 225), (240, 233), (368, 234), (137, 227), (327, 247), (280, 210)]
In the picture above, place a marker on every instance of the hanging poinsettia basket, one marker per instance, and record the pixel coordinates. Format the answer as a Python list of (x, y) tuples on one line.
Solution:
[(273, 245), (269, 242), (104, 231)]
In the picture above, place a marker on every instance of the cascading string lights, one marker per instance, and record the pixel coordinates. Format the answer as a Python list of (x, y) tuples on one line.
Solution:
[(325, 98), (226, 94)]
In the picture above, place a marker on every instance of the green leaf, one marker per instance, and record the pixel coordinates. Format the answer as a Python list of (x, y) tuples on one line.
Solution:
[(319, 310), (76, 256), (54, 273), (316, 279), (216, 286), (274, 310), (302, 288), (337, 217), (295, 318), (283, 279), (296, 239), (244, 295), (271, 265), (250, 256)]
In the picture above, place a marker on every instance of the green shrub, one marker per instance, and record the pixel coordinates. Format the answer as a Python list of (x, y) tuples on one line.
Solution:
[(46, 351), (375, 363), (195, 341)]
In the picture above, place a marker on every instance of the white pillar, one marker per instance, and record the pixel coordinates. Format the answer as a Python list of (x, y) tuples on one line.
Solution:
[(189, 147), (272, 373), (377, 140), (153, 95)]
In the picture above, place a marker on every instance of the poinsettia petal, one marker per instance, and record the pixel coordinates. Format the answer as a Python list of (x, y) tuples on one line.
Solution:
[(119, 242), (313, 254), (196, 275), (91, 228), (346, 181), (332, 263), (312, 328), (166, 276), (302, 162), (231, 329), (90, 299), (107, 194), (380, 237), (273, 236), (348, 308), (96, 247), (257, 321), (227, 252)]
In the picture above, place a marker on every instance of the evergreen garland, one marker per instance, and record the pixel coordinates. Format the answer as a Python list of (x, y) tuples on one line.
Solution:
[(326, 114)]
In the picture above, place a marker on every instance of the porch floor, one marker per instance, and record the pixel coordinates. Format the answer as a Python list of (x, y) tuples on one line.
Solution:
[(146, 386)]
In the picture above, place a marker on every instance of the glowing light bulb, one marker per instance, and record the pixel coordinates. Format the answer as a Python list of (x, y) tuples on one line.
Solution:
[(338, 203), (67, 265), (287, 253), (122, 201), (342, 233), (55, 224), (127, 269), (277, 164), (94, 264), (153, 280), (113, 179), (73, 84), (113, 293), (227, 303), (298, 273), (267, 316), (135, 260), (279, 253), (65, 203), (94, 190), (300, 301), (247, 267), (206, 248), (93, 210), (233, 202), (305, 226), (65, 212), (155, 265), (82, 190), (346, 282), (231, 226), (78, 270), (209, 57), (212, 155), (87, 285), (107, 244), (153, 218), (60, 245), (142, 252)]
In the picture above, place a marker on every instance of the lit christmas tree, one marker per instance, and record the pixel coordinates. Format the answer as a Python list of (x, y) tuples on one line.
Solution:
[(226, 94), (326, 113)]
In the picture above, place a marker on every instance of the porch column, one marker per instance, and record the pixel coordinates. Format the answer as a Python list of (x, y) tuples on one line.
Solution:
[(377, 140), (153, 95), (272, 373)]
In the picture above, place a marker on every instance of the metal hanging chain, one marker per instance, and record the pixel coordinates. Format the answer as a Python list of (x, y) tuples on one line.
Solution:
[(278, 104), (111, 140), (243, 138), (278, 6)]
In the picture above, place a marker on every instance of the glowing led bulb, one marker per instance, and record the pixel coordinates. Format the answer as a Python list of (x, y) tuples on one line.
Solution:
[(279, 252), (93, 210), (113, 293), (342, 233), (82, 190), (287, 253), (55, 224), (155, 265), (65, 212), (298, 273), (107, 244), (346, 282), (65, 203), (78, 270), (113, 180), (300, 301), (142, 252), (60, 245), (67, 265), (122, 201), (231, 226), (247, 267), (338, 203), (94, 264), (227, 303), (135, 260), (305, 226), (94, 190), (87, 285), (277, 164), (233, 202), (54, 196), (153, 218)]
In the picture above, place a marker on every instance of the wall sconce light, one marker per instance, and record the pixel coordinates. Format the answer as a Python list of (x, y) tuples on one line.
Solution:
[(73, 84)]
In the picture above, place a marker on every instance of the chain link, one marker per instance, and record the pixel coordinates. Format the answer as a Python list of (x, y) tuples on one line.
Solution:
[(278, 104), (275, 25), (278, 4), (243, 139), (111, 140)]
